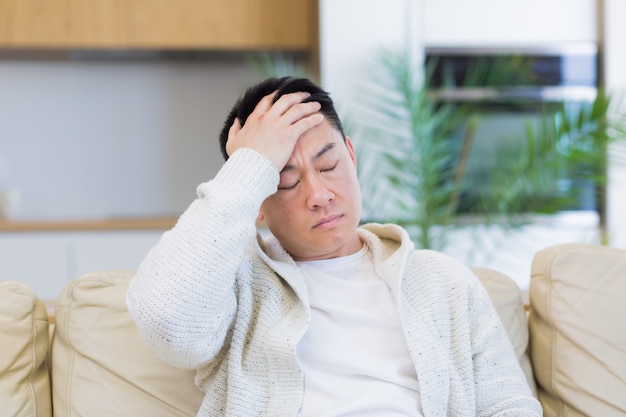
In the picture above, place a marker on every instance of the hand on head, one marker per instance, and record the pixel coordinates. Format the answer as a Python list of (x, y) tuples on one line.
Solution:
[(273, 129)]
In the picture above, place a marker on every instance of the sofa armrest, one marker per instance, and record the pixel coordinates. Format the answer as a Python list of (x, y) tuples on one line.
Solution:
[(577, 330), (24, 372)]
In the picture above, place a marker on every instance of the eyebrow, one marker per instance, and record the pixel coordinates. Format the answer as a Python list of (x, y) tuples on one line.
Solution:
[(317, 156)]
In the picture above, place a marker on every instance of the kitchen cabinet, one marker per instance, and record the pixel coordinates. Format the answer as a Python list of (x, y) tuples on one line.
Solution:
[(159, 24), (92, 23), (33, 22), (41, 261), (222, 24), (62, 23), (46, 261)]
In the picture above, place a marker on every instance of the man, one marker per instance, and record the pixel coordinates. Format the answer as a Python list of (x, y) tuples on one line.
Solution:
[(323, 318)]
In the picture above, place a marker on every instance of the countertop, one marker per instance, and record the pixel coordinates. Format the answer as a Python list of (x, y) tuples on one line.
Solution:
[(160, 223)]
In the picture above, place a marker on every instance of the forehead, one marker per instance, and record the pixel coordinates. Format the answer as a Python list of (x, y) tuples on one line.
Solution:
[(318, 137)]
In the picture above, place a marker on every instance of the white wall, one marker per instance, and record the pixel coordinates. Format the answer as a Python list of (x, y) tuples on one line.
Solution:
[(510, 22), (352, 31), (90, 139), (95, 138), (351, 34), (615, 73)]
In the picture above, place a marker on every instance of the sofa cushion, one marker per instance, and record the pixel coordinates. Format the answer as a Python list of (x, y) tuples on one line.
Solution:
[(577, 330), (102, 368), (24, 377), (506, 297)]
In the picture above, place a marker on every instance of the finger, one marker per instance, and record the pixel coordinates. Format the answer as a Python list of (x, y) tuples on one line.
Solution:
[(287, 101), (307, 123), (301, 110), (235, 127), (232, 132), (263, 105)]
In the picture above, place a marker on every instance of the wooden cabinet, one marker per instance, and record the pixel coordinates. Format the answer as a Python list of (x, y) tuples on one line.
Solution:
[(159, 24), (93, 23), (33, 22), (221, 24)]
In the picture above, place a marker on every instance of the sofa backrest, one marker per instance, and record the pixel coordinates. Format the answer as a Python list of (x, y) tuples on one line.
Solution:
[(577, 324), (102, 367), (24, 381)]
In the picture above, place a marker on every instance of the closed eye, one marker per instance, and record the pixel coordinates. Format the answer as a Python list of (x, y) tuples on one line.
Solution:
[(329, 168), (289, 187)]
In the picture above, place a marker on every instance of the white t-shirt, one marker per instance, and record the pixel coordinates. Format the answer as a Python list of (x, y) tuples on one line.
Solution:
[(354, 354)]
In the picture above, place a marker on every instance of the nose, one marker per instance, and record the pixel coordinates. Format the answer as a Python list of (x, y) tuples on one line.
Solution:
[(318, 193)]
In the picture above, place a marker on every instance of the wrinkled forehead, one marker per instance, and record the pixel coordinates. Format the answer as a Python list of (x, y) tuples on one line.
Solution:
[(318, 136)]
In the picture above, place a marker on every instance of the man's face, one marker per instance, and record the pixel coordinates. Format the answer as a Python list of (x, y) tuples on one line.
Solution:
[(316, 210)]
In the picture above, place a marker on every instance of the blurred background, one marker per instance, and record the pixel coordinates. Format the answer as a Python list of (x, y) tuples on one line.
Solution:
[(110, 111)]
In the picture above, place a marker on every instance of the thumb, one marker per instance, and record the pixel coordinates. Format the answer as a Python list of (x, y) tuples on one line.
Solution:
[(235, 128), (232, 132)]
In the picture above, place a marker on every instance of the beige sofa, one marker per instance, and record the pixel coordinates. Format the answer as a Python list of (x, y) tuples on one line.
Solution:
[(98, 366)]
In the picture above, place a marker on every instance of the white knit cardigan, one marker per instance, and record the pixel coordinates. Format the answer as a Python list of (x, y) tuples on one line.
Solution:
[(212, 296)]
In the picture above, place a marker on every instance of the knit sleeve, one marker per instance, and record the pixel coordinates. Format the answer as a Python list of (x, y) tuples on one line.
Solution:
[(182, 298)]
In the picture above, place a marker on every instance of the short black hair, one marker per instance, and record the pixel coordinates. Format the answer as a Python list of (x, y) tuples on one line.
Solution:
[(246, 103)]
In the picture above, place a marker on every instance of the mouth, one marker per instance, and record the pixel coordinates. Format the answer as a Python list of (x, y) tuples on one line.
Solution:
[(328, 222)]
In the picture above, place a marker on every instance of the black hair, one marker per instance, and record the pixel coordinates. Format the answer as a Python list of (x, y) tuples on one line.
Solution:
[(246, 104)]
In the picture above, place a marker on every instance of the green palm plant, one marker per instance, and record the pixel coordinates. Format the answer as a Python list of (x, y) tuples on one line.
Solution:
[(413, 173), (561, 160)]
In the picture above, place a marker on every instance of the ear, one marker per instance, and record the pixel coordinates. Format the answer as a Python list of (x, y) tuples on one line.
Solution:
[(351, 150)]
